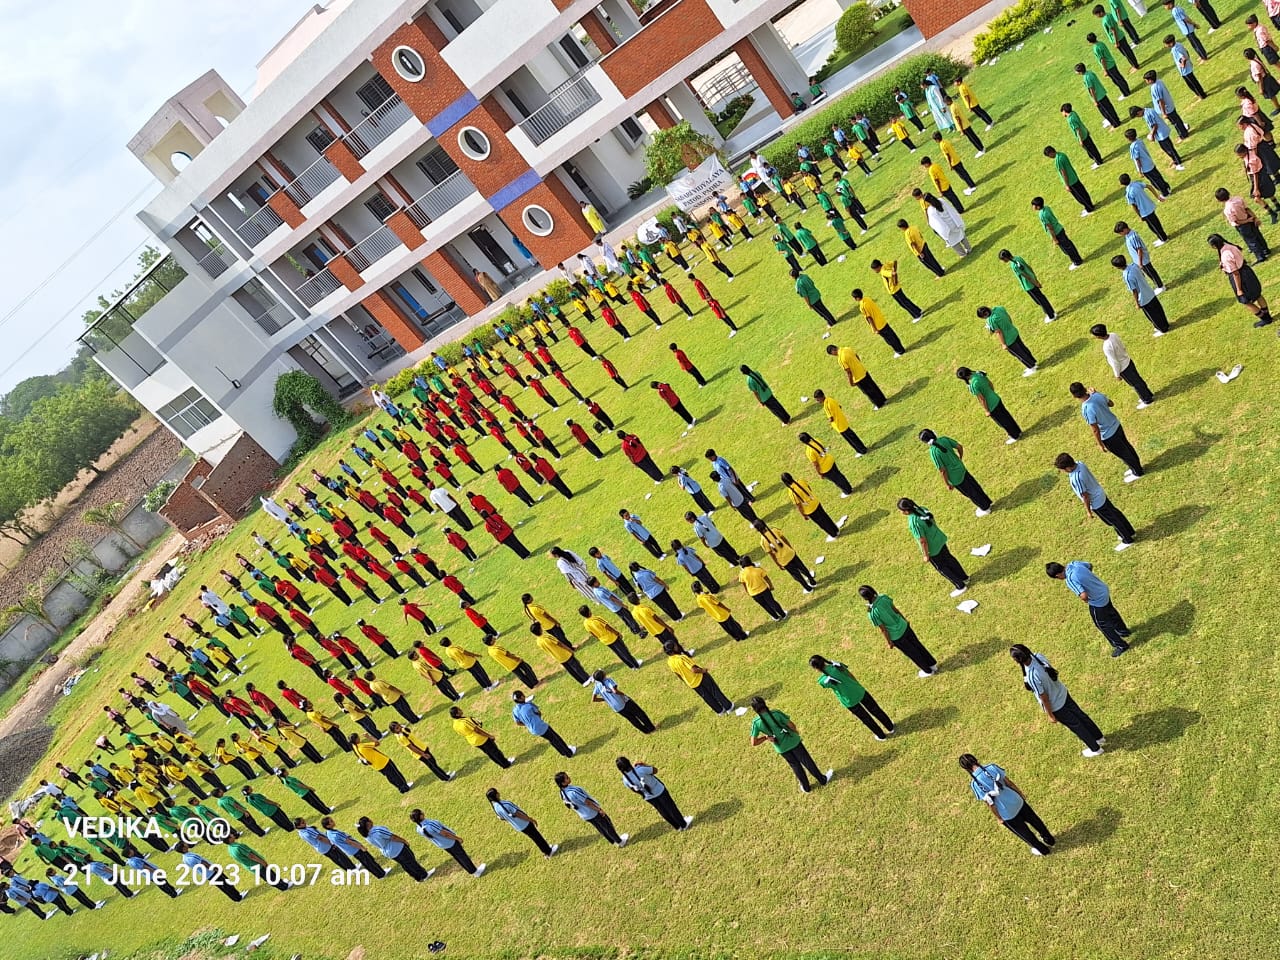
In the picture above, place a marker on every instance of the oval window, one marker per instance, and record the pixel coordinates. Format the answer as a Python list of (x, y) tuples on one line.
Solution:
[(408, 63), (537, 220), (473, 143)]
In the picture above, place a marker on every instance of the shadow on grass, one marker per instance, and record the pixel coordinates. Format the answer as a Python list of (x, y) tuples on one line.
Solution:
[(843, 574), (765, 693), (579, 841), (1099, 828), (1055, 419), (866, 765), (535, 751), (595, 743), (1065, 352), (865, 522), (1175, 521), (977, 652), (935, 333), (1186, 382), (880, 475), (512, 858), (929, 718), (1184, 452), (718, 812), (909, 390), (675, 719), (1027, 491), (1007, 564), (1154, 728), (1175, 621)]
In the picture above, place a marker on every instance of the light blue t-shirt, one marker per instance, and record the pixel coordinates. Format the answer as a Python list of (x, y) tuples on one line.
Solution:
[(607, 690), (577, 799), (343, 841), (1153, 119), (1141, 159), (722, 466), (1083, 482), (1184, 24), (988, 785), (1136, 194), (1182, 60), (648, 582), (689, 560), (707, 531), (529, 714), (434, 831), (643, 781), (315, 839), (634, 527), (729, 490), (1081, 579), (607, 598), (384, 840), (688, 484), (1136, 281), (606, 566), (1136, 247), (1036, 675), (1096, 410), (1161, 98), (508, 812)]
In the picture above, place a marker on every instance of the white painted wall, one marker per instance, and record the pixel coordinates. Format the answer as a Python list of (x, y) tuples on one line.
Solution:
[(504, 35)]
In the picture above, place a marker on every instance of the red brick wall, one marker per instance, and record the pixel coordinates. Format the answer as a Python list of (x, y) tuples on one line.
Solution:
[(600, 35), (459, 285), (439, 88), (760, 72), (246, 471), (571, 233), (340, 155), (504, 162), (345, 273), (934, 16), (662, 44), (660, 115), (406, 230), (384, 310), (283, 204), (186, 509)]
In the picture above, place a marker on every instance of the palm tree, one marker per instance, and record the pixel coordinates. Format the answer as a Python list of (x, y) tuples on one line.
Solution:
[(111, 515), (31, 605)]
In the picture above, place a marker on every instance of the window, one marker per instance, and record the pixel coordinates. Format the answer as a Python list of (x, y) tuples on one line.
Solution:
[(537, 220), (633, 131), (473, 143), (380, 207), (423, 279), (437, 165), (408, 62), (188, 412), (320, 138), (375, 93), (517, 103), (574, 52)]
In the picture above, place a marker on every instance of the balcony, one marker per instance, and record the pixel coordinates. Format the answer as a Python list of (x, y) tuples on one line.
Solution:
[(372, 248), (317, 287), (111, 338), (271, 320), (216, 261), (441, 198), (307, 185), (570, 101), (259, 226), (377, 126)]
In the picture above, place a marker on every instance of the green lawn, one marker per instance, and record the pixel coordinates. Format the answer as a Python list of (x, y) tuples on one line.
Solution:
[(892, 24), (1167, 842)]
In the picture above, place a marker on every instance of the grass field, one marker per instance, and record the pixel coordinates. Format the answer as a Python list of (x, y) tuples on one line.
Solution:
[(1167, 842)]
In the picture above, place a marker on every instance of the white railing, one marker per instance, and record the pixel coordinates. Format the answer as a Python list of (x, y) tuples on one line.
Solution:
[(372, 248), (318, 287), (216, 261), (444, 196), (306, 185), (259, 226), (392, 114), (569, 102), (275, 318)]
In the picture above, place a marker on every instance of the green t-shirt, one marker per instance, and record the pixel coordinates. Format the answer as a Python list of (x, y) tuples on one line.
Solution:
[(1077, 127), (1112, 27), (773, 723), (837, 678), (1000, 322), (934, 538), (1101, 51), (844, 188), (980, 386), (206, 813), (1065, 170), (824, 201), (882, 614), (837, 224), (262, 804), (244, 855), (943, 454), (807, 289), (807, 239), (1094, 86), (1052, 225), (757, 385), (233, 807), (785, 232), (296, 785), (1022, 270)]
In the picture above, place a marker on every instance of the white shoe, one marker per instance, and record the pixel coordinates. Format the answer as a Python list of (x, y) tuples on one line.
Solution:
[(1072, 266), (1030, 371), (922, 674), (958, 592), (623, 839), (480, 870), (1142, 405), (1083, 214), (1106, 125), (732, 334), (988, 126), (99, 904), (831, 539), (1121, 547), (844, 496), (896, 356), (410, 784), (981, 513), (430, 873), (979, 153), (968, 192), (1130, 476), (841, 522), (1178, 166), (1159, 290), (1157, 333), (452, 775), (831, 775), (639, 663), (827, 335), (266, 830), (1009, 442), (1091, 753), (554, 848), (1157, 243), (688, 821), (511, 759), (740, 711), (1120, 97), (1102, 741), (1035, 852), (572, 750)]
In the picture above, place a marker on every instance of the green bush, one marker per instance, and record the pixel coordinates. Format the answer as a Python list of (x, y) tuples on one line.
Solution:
[(667, 217), (158, 494), (638, 188), (297, 396), (875, 99), (1014, 25), (855, 27)]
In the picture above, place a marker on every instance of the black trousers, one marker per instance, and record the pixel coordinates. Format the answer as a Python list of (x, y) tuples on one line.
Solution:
[(433, 765), (800, 573), (1021, 825), (667, 808), (521, 494), (1126, 51), (524, 673), (734, 629), (604, 827), (1153, 310), (636, 716), (1117, 79), (929, 260), (712, 695), (650, 544), (667, 605), (1004, 419), (836, 476), (1078, 722), (629, 622), (490, 749), (1091, 149), (1157, 180), (703, 502), (619, 649), (890, 336), (705, 577), (853, 439), (394, 777), (972, 489), (972, 136), (910, 646), (461, 857), (1110, 624), (1254, 240), (872, 715), (950, 194), (481, 677), (574, 669), (901, 299), (1152, 273), (1169, 149), (591, 448), (963, 174), (1133, 378), (515, 546), (407, 859), (1039, 299), (402, 707), (1193, 84), (1081, 194), (824, 521), (1108, 111), (1021, 353), (945, 563), (871, 390), (539, 841), (1153, 220), (557, 742), (769, 604), (725, 551), (799, 760), (1118, 445), (777, 409)]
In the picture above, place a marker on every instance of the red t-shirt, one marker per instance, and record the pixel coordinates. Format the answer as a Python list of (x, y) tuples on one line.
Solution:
[(667, 394), (633, 448), (683, 360), (509, 481)]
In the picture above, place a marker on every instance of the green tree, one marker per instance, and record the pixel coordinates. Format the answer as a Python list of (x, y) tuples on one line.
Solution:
[(674, 150), (17, 493), (146, 295), (111, 515), (855, 27), (65, 433)]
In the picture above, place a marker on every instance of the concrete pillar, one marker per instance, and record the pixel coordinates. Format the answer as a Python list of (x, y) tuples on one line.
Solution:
[(623, 15), (599, 33), (690, 108), (779, 59), (660, 115)]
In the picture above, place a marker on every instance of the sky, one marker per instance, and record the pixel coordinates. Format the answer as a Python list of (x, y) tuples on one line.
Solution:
[(77, 81)]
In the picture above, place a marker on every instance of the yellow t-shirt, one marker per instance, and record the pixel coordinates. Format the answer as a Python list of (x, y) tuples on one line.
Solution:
[(889, 274), (948, 151), (557, 650), (914, 240), (966, 94), (958, 115), (817, 454), (776, 545), (197, 767), (424, 670), (505, 658), (538, 614), (387, 691), (850, 360), (755, 580), (802, 496), (146, 796), (874, 316), (174, 772), (601, 629), (475, 734), (835, 413), (352, 711), (290, 733), (463, 658), (684, 668), (648, 618), (319, 719), (714, 607), (709, 252), (899, 128), (248, 750), (412, 744), (368, 751), (938, 177)]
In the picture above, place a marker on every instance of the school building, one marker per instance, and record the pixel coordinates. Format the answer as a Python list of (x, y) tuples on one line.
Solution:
[(392, 151)]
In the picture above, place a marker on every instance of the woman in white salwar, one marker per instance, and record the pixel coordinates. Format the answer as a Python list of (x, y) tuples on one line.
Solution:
[(166, 717), (938, 107), (947, 224), (574, 570)]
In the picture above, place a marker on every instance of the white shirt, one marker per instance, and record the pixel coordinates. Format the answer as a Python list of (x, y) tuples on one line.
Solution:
[(610, 256), (440, 497), (1117, 356), (214, 601)]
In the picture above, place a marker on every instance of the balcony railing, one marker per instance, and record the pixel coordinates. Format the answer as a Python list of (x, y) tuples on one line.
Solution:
[(372, 248), (318, 287), (444, 196), (307, 185), (274, 318), (378, 125), (569, 102), (259, 226), (216, 261)]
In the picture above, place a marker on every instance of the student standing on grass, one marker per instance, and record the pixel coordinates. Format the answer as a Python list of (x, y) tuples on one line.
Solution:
[(775, 727), (640, 533), (1030, 283), (466, 660), (852, 695), (1001, 325), (710, 536), (1115, 33), (1056, 232), (1182, 63), (395, 848), (734, 496), (1144, 297), (933, 545), (806, 501), (948, 457), (1081, 133), (1147, 171), (519, 821), (809, 293), (954, 162), (691, 486), (1139, 254), (857, 375), (1105, 60), (526, 714), (992, 786), (809, 242), (763, 393), (1098, 94), (605, 690), (633, 449), (641, 778), (585, 806), (1090, 588), (478, 737), (980, 387), (1122, 365), (560, 652), (1243, 281), (698, 680), (836, 416), (605, 564), (1071, 180), (757, 585), (717, 610), (919, 249), (961, 119), (1158, 130), (938, 177), (513, 664), (687, 365), (888, 273), (825, 464), (688, 560), (1086, 487), (655, 589), (604, 631), (1107, 430), (366, 748), (417, 749), (446, 840), (1189, 27)]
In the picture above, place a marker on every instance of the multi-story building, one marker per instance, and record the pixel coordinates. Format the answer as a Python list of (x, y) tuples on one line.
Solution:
[(391, 150)]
